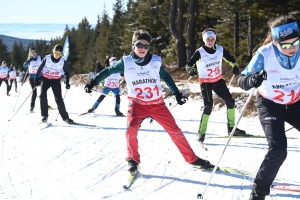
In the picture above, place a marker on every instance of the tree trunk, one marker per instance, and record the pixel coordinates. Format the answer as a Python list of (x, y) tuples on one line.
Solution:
[(193, 13), (250, 38), (236, 33), (178, 32)]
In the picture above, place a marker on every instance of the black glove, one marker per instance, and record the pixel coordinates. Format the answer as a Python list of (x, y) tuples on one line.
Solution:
[(192, 70), (180, 98), (88, 87), (257, 78), (236, 70), (37, 82), (68, 86)]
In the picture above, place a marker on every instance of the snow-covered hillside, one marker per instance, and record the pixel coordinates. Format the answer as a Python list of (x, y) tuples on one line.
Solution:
[(57, 161)]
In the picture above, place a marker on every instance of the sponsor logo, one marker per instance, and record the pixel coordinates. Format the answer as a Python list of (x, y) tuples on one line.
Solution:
[(213, 63), (130, 68), (286, 32), (155, 66), (270, 118), (213, 58), (286, 79), (143, 73), (273, 71)]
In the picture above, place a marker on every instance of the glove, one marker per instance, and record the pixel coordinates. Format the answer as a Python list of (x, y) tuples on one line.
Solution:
[(88, 87), (68, 86), (192, 70), (30, 58), (236, 70), (37, 82), (101, 84), (257, 78), (180, 98)]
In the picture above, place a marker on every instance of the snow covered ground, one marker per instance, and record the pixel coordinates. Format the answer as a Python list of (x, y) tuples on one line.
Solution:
[(65, 162)]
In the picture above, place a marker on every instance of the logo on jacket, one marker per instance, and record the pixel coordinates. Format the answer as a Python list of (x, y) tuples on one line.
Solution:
[(213, 58), (130, 68), (270, 118), (143, 73), (273, 71)]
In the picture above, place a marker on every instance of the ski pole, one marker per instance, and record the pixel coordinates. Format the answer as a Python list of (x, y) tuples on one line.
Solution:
[(170, 103), (289, 129), (63, 99), (22, 103), (230, 80), (20, 90), (200, 196)]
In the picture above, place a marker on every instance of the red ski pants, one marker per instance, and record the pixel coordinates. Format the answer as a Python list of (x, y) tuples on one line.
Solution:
[(161, 114)]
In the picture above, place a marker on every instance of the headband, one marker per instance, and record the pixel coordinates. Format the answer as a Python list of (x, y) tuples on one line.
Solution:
[(285, 32), (208, 34), (143, 36)]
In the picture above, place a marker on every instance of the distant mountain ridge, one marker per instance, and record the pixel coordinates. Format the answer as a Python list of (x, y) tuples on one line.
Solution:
[(9, 41)]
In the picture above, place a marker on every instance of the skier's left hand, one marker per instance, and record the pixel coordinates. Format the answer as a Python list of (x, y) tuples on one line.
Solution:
[(236, 70), (180, 98), (68, 86)]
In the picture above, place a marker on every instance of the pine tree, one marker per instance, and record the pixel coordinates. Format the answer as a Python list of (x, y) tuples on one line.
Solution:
[(4, 53)]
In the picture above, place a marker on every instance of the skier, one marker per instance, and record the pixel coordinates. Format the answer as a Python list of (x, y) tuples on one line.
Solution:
[(278, 97), (4, 70), (142, 71), (111, 84), (32, 63), (52, 67), (13, 77), (207, 63)]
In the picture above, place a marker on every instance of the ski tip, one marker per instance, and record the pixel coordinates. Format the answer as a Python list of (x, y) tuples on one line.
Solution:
[(125, 187)]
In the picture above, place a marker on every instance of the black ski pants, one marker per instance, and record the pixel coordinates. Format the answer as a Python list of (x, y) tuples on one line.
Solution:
[(221, 90), (272, 118), (7, 85), (11, 83), (34, 93), (56, 89)]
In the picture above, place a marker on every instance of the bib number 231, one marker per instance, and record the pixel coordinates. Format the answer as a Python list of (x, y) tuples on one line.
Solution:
[(147, 92)]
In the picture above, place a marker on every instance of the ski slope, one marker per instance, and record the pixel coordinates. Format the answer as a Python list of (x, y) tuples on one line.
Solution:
[(57, 161)]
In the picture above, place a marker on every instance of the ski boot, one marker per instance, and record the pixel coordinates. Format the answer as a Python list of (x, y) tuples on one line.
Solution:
[(69, 121), (132, 165), (44, 119), (237, 132), (204, 164), (91, 110)]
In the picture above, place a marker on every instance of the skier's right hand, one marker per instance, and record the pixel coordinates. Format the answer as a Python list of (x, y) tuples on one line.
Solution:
[(191, 70), (37, 82), (88, 87), (257, 78)]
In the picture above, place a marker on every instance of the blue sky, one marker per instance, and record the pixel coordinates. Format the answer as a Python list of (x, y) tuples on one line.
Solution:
[(33, 19), (53, 11)]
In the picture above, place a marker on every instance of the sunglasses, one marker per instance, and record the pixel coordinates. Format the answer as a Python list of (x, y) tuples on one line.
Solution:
[(57, 54), (289, 45), (142, 46)]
